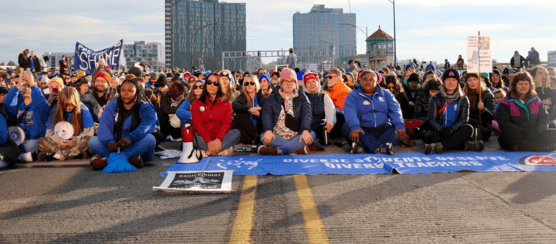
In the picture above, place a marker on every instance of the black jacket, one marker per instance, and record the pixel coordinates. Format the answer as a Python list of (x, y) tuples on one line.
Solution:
[(240, 104), (24, 61), (436, 103), (273, 106), (422, 106), (488, 113), (521, 60), (37, 64)]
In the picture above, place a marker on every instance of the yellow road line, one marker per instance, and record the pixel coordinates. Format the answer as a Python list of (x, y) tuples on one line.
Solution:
[(241, 233), (313, 223)]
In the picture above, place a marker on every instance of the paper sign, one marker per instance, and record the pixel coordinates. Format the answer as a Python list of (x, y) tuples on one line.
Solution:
[(201, 181), (479, 55), (552, 59)]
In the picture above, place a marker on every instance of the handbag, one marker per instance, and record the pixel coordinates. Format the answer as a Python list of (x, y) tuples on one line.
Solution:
[(174, 121), (291, 122)]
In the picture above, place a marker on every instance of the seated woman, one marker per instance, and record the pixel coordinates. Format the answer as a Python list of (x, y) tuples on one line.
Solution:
[(169, 103), (229, 94), (264, 83), (322, 108), (448, 115), (126, 124), (247, 109), (184, 112), (485, 105), (212, 120), (522, 118), (394, 86), (71, 110), (496, 81), (429, 89), (8, 149), (374, 121), (286, 118)]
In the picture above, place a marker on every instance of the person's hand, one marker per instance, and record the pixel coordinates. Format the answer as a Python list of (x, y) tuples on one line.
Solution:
[(30, 78), (113, 146), (72, 142), (446, 130), (124, 143), (63, 143), (481, 106), (328, 127), (255, 111), (306, 136), (400, 132), (217, 144), (354, 135), (411, 104), (100, 110), (268, 137), (53, 96)]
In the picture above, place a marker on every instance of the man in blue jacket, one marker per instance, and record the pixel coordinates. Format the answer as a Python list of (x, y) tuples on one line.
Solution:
[(126, 124), (374, 121)]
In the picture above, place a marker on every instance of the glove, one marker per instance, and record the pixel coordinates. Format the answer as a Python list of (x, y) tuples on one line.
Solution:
[(446, 130), (124, 143), (113, 146)]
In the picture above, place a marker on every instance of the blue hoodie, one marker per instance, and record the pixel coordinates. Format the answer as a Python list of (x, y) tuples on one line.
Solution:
[(33, 116), (106, 127), (375, 110), (430, 66)]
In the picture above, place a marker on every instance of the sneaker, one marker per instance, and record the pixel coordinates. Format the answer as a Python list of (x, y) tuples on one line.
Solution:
[(387, 148), (474, 146), (137, 162), (438, 148), (28, 157), (316, 147), (264, 150), (303, 151), (44, 156), (98, 163), (356, 149), (429, 148)]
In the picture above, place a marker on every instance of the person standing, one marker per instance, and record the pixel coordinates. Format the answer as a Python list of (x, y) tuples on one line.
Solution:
[(23, 59), (35, 63), (292, 60), (517, 61), (63, 65)]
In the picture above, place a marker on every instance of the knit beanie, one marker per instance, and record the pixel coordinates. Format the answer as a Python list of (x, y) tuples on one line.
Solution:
[(414, 77), (300, 75), (310, 76), (288, 74), (162, 81), (410, 65), (57, 80), (265, 76), (81, 74), (450, 73), (104, 75)]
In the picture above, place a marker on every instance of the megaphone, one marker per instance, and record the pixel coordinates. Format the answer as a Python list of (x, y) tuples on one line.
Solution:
[(188, 155)]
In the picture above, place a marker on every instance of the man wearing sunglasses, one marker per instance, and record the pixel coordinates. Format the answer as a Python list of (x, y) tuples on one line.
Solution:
[(338, 91)]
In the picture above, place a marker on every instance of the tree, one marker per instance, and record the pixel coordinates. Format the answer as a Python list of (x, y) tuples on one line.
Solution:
[(2, 64), (11, 63)]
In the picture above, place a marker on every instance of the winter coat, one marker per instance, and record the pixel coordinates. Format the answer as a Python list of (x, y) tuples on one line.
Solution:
[(521, 60), (211, 120), (338, 94), (87, 124), (437, 102), (422, 106), (31, 118), (273, 106), (93, 105), (183, 112), (487, 115), (374, 111), (515, 117), (36, 63), (148, 122), (548, 97), (24, 61), (407, 111)]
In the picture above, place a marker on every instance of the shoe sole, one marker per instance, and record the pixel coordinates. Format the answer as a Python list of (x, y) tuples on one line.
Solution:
[(97, 164)]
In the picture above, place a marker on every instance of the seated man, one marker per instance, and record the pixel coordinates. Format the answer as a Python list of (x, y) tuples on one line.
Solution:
[(374, 121), (101, 94), (338, 91), (127, 124)]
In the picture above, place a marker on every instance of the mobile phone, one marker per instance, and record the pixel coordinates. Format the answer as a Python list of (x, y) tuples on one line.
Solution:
[(27, 70), (55, 89)]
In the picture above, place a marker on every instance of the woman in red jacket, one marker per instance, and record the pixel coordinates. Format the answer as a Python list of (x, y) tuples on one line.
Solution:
[(212, 119)]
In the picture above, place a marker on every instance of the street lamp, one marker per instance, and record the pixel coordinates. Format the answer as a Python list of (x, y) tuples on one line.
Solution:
[(364, 31), (172, 30), (395, 49), (333, 51), (191, 40)]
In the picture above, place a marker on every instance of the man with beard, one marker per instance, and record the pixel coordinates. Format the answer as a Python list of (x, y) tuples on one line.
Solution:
[(127, 126), (101, 94)]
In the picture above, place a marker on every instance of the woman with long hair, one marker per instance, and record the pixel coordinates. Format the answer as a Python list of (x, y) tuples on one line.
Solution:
[(497, 81), (212, 119), (184, 112), (546, 93), (247, 109), (78, 115), (483, 106), (169, 103), (264, 83), (227, 81), (394, 86)]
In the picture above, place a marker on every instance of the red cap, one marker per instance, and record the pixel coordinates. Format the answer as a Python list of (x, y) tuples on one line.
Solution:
[(104, 75), (310, 76)]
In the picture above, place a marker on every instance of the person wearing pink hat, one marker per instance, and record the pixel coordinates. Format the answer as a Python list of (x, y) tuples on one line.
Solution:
[(286, 118), (322, 107)]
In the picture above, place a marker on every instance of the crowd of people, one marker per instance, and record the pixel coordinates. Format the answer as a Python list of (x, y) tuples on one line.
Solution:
[(279, 112)]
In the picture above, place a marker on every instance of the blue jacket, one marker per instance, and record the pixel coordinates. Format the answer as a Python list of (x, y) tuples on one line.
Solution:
[(183, 112), (273, 106), (437, 102), (33, 116), (106, 127), (381, 108), (3, 130)]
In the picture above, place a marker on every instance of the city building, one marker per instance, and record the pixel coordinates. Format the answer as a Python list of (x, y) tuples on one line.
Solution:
[(380, 48), (198, 31), (323, 33), (55, 57), (150, 53)]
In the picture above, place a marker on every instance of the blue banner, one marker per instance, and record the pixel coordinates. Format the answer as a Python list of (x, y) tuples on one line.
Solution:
[(406, 163), (87, 60)]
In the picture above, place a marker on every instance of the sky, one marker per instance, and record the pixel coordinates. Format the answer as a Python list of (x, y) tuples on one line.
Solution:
[(426, 29)]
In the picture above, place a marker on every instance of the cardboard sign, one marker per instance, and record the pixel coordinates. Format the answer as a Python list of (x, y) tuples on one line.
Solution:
[(479, 54)]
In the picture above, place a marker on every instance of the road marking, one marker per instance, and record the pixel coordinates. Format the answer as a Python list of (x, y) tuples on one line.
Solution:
[(243, 224), (313, 223)]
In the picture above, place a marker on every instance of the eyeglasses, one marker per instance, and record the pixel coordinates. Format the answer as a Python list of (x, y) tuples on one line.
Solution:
[(195, 87), (214, 83), (249, 83), (330, 77)]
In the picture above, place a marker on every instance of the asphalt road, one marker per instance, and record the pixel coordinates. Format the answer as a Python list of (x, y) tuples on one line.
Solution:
[(73, 204)]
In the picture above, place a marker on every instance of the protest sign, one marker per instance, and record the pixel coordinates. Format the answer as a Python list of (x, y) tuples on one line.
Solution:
[(479, 55), (552, 59), (87, 60), (201, 181)]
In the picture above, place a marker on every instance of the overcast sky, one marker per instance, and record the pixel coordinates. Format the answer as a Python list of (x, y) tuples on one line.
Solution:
[(427, 29)]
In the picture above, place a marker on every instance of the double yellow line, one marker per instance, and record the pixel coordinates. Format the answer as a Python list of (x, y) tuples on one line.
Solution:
[(241, 232)]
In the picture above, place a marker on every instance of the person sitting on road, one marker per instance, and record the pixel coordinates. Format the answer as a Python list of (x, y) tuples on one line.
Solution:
[(322, 109), (228, 83), (101, 95), (429, 89), (338, 91), (212, 120), (26, 106), (127, 124), (485, 105), (264, 83), (286, 118), (8, 148), (374, 120), (395, 87), (448, 117), (247, 108), (184, 112), (522, 118), (170, 124), (71, 110)]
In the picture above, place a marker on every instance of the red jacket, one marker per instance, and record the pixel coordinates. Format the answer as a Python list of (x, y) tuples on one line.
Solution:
[(211, 120)]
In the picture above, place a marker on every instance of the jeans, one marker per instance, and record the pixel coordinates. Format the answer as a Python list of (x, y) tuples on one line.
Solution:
[(230, 139), (374, 137), (29, 146), (288, 146), (144, 147)]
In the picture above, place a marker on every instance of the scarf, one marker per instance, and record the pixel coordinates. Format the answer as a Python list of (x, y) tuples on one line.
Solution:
[(449, 98)]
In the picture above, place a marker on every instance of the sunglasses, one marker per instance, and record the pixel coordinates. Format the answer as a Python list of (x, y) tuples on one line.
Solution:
[(195, 87), (214, 83), (330, 77), (249, 83)]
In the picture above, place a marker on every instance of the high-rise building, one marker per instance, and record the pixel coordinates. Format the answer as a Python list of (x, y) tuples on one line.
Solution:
[(324, 32), (198, 31), (150, 53)]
